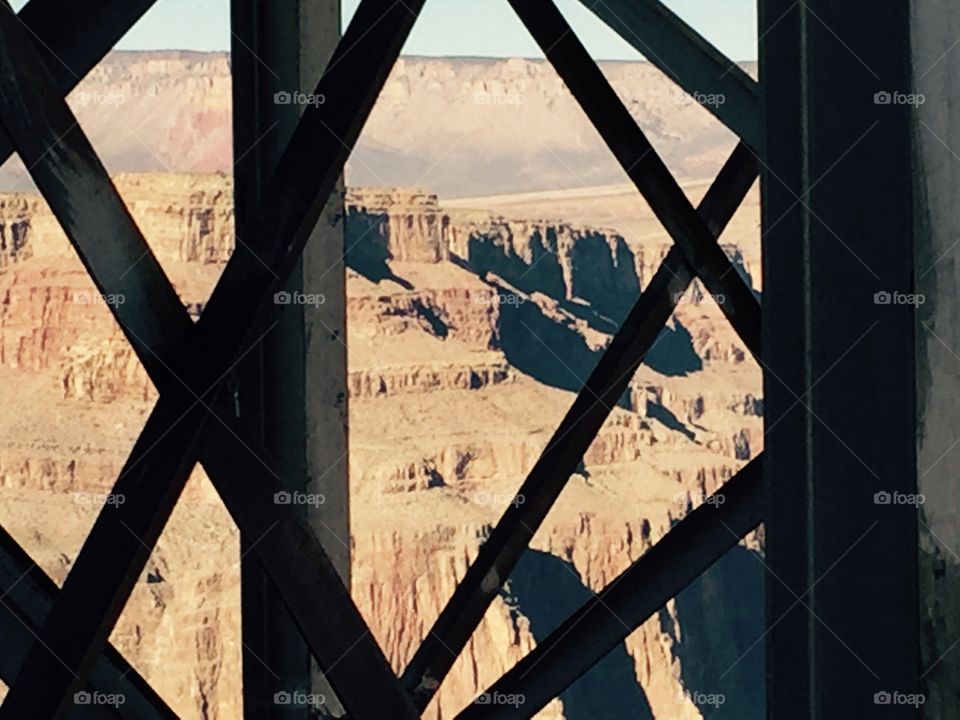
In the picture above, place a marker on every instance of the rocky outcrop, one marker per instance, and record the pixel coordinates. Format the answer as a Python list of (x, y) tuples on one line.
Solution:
[(417, 380), (396, 224), (467, 333), (587, 265)]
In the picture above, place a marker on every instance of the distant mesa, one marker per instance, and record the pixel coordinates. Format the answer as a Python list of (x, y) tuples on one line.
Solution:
[(464, 126)]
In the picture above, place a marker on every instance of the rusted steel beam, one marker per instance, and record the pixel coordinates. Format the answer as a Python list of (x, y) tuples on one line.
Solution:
[(641, 163), (72, 37), (607, 619), (236, 317), (26, 594), (500, 553), (686, 57)]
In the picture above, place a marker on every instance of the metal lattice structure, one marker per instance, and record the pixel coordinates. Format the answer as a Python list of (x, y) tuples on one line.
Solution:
[(56, 642)]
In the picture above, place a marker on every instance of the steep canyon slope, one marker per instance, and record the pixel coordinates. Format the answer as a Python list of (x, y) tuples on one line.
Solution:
[(470, 328)]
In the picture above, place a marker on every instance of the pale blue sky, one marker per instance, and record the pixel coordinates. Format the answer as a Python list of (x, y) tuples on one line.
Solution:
[(456, 27)]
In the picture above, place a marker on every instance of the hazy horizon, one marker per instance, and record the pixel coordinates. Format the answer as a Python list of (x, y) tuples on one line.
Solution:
[(453, 28)]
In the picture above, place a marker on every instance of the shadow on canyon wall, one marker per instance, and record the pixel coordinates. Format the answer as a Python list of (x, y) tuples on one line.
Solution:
[(546, 590), (718, 621), (721, 619), (663, 415), (366, 249), (598, 271), (553, 351), (546, 348), (673, 353)]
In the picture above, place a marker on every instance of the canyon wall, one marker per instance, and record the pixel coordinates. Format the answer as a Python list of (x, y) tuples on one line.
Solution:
[(468, 333)]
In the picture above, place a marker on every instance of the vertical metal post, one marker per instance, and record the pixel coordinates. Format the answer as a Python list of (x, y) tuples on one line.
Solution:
[(295, 385), (840, 237)]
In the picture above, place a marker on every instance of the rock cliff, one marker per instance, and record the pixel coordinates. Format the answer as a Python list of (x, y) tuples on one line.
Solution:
[(469, 330)]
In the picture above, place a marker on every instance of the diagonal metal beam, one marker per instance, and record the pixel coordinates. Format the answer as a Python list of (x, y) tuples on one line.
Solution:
[(73, 37), (26, 594), (607, 619), (688, 59), (500, 553), (642, 164), (119, 544), (128, 268)]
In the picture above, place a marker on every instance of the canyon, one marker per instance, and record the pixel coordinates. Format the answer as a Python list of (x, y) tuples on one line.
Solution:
[(471, 324), (493, 246), (463, 126)]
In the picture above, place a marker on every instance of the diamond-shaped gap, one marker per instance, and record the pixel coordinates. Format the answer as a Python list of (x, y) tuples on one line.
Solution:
[(158, 110), (74, 395), (443, 428), (181, 627), (469, 330), (679, 124), (76, 398), (88, 392), (533, 136), (405, 492)]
